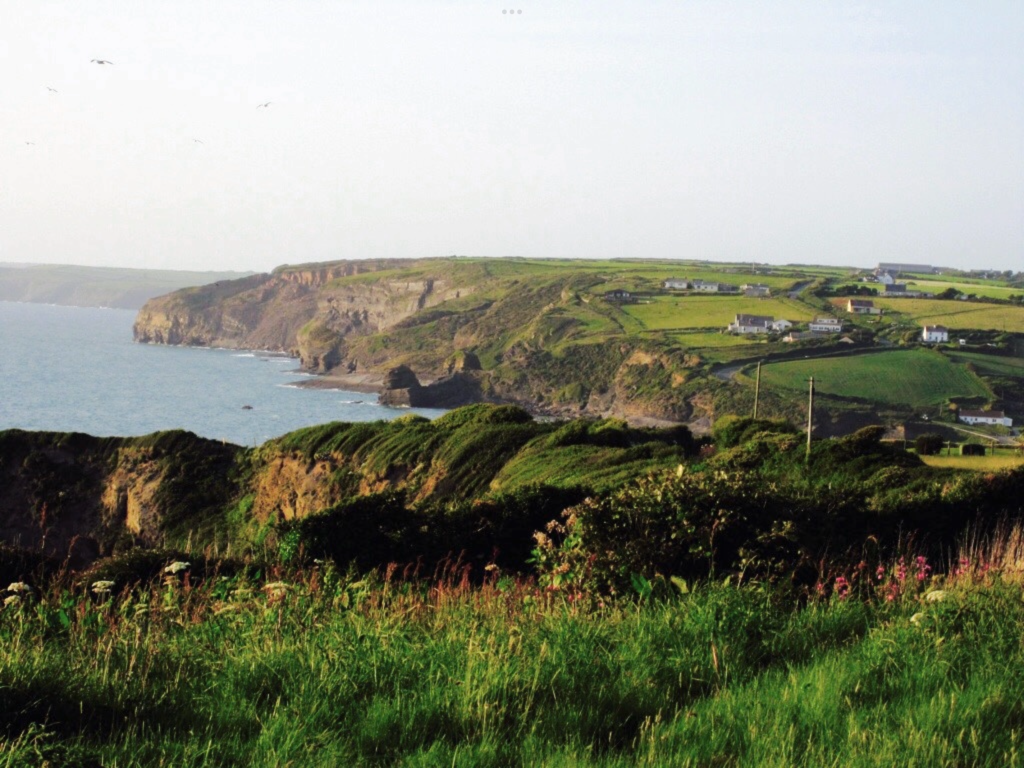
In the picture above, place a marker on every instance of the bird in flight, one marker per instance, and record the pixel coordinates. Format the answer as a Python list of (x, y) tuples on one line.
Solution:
[(52, 90), (261, 106), (30, 143), (197, 141), (102, 61)]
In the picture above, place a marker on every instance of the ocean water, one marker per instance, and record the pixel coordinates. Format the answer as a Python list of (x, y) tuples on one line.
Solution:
[(77, 369)]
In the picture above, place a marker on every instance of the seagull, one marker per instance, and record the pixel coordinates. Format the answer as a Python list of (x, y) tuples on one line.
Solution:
[(197, 141), (52, 90), (260, 106), (30, 143), (102, 61)]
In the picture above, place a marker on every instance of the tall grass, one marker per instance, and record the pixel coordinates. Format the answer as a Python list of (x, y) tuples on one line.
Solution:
[(314, 667)]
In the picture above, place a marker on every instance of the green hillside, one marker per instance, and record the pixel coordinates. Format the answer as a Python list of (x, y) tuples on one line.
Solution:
[(917, 377)]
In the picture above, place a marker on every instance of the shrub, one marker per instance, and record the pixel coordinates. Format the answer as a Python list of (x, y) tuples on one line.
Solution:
[(929, 444)]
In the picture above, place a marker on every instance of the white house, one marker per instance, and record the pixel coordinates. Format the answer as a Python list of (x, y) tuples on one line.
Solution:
[(676, 284), (986, 417), (706, 287), (935, 334), (886, 278), (825, 325), (756, 290), (862, 307), (781, 325), (751, 324)]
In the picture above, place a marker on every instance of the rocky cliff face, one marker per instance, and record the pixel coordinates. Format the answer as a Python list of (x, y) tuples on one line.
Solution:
[(75, 497), (308, 312), (468, 330)]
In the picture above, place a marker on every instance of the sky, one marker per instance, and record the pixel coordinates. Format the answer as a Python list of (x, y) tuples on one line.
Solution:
[(840, 133)]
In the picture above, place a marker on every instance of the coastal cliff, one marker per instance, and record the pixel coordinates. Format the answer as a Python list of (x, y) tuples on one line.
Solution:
[(459, 330)]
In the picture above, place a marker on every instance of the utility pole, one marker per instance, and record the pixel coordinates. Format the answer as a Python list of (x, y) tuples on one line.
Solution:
[(810, 420), (757, 387)]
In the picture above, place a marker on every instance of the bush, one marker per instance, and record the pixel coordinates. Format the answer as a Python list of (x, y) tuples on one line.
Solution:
[(929, 444)]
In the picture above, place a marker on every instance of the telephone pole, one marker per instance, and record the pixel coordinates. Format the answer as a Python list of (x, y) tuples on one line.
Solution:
[(810, 420), (757, 387)]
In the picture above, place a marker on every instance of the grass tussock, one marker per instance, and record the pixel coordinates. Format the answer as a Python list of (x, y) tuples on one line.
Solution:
[(896, 665)]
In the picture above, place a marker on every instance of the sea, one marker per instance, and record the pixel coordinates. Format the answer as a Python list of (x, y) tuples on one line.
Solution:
[(77, 369)]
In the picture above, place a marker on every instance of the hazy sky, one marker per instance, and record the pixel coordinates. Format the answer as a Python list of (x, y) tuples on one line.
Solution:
[(812, 131)]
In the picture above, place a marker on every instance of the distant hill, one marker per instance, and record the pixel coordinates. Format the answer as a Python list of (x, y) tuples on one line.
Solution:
[(79, 286), (566, 337)]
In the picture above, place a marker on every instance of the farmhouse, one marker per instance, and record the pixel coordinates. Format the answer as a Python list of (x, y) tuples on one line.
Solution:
[(886, 278), (706, 287), (900, 289), (677, 284), (756, 290), (935, 334), (986, 417), (825, 325), (862, 307), (751, 324), (618, 295), (757, 324)]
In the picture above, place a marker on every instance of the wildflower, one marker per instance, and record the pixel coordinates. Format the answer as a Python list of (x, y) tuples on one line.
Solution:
[(102, 587), (880, 572), (901, 571), (842, 587), (490, 567), (11, 600), (177, 567), (19, 587), (935, 596), (917, 618), (923, 569)]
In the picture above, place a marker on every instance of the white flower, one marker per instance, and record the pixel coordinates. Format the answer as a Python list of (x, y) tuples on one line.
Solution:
[(917, 618), (102, 587), (19, 586), (935, 596), (11, 600), (177, 567)]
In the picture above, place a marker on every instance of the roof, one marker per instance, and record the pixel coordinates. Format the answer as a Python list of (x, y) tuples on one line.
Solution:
[(984, 414), (754, 320), (940, 328), (861, 303), (826, 320)]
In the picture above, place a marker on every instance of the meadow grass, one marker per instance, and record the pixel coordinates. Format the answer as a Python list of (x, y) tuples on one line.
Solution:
[(985, 288), (311, 668), (957, 315), (919, 377), (697, 340), (994, 365), (977, 463), (696, 311)]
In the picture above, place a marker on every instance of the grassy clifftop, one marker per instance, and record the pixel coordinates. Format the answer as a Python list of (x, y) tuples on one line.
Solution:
[(576, 337)]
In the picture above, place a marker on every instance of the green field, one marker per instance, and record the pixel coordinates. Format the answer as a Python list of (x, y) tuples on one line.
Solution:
[(1003, 460), (699, 340), (987, 288), (683, 312), (920, 377), (957, 315), (994, 365)]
